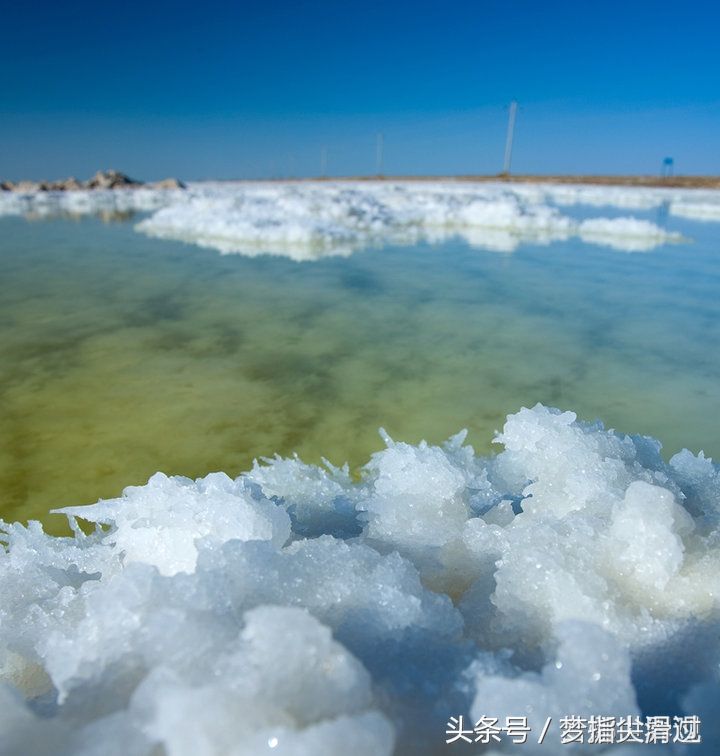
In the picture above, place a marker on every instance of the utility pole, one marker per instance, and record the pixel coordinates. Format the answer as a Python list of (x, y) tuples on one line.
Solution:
[(323, 162), (379, 154), (509, 140)]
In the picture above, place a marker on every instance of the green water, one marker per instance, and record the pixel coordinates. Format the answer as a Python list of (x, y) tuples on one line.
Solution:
[(123, 355)]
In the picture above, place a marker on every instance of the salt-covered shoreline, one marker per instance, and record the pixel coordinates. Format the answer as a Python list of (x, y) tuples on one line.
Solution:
[(295, 611), (312, 219)]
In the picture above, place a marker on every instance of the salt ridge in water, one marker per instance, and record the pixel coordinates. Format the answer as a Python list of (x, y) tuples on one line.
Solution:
[(307, 220), (296, 611)]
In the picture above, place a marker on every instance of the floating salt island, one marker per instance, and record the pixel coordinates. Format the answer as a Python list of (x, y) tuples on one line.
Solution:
[(295, 610)]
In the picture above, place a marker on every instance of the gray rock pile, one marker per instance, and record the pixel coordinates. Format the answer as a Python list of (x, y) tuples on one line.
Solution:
[(110, 180), (101, 180)]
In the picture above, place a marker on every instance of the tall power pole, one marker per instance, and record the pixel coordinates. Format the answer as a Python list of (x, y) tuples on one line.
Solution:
[(323, 162), (509, 140), (379, 154)]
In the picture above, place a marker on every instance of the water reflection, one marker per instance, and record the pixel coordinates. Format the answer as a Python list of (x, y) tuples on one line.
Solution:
[(104, 215), (663, 211)]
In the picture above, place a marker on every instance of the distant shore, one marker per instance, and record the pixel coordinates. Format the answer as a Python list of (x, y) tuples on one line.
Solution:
[(104, 180), (682, 182)]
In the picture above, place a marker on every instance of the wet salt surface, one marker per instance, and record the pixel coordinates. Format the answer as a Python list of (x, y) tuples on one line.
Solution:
[(292, 610), (574, 573)]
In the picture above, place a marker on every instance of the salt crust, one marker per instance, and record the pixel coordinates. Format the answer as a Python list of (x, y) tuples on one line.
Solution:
[(309, 220), (297, 611)]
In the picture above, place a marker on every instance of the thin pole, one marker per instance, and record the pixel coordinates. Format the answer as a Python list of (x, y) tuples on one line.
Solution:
[(379, 154), (509, 140), (323, 162)]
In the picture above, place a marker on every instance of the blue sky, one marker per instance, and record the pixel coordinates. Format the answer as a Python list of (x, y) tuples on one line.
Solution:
[(246, 89)]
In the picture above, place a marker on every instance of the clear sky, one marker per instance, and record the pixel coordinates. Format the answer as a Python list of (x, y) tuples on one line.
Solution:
[(254, 89)]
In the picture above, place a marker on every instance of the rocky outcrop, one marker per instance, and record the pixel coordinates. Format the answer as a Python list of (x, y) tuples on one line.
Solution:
[(101, 180), (110, 180), (168, 183), (68, 185), (29, 186)]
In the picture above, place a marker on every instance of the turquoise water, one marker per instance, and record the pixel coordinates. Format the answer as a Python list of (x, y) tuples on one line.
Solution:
[(123, 355)]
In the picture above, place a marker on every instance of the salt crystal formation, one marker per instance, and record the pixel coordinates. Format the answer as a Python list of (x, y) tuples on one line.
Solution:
[(295, 610), (310, 220), (313, 219)]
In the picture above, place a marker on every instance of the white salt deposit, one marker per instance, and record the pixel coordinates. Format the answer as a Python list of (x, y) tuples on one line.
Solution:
[(624, 234), (702, 211), (296, 610), (86, 202), (307, 220), (697, 204), (310, 220), (624, 197)]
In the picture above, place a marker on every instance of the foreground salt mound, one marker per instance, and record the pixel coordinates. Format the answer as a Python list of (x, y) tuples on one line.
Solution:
[(295, 610), (591, 671)]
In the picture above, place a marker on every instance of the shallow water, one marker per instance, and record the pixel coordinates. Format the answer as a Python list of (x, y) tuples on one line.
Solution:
[(122, 355)]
